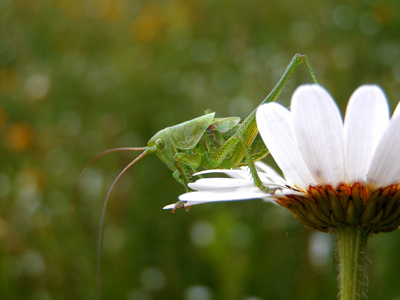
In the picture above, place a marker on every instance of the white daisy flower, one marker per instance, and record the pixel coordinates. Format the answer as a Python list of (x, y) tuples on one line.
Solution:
[(335, 173)]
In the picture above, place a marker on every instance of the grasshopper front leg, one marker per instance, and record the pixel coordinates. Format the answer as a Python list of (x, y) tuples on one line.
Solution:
[(185, 164)]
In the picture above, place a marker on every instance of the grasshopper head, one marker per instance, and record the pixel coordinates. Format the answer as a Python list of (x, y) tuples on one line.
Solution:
[(161, 144)]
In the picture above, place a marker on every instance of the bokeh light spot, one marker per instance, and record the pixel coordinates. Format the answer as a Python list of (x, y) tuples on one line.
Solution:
[(91, 185), (198, 292), (319, 250), (202, 233), (343, 17), (37, 86), (28, 183), (33, 262), (153, 279)]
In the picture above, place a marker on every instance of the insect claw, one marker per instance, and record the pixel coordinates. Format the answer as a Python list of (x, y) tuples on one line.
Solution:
[(179, 204), (271, 190)]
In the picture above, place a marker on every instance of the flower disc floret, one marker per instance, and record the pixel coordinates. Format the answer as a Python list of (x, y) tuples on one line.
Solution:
[(324, 208)]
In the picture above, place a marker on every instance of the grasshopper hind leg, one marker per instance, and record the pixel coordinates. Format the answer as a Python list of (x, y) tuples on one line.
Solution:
[(249, 158)]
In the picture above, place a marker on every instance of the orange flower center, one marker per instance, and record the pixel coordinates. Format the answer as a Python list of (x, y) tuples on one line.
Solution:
[(324, 208)]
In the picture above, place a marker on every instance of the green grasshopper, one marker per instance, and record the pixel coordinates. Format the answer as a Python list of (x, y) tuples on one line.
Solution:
[(207, 142), (212, 143)]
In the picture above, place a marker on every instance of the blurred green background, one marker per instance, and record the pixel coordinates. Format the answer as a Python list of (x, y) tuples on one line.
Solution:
[(80, 77)]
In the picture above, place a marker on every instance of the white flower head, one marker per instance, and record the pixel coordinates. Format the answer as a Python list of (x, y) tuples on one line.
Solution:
[(335, 172), (312, 146)]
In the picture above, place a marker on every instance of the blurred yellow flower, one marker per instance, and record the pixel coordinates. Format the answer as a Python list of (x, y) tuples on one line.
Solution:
[(147, 25), (18, 137)]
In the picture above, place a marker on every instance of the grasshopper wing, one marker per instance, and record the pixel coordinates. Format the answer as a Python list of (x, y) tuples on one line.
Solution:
[(187, 134), (224, 124)]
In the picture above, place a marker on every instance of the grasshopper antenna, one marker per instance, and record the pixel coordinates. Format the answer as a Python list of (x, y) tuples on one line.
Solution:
[(101, 226), (75, 192)]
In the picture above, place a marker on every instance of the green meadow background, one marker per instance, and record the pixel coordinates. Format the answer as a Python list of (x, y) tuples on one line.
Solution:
[(81, 76)]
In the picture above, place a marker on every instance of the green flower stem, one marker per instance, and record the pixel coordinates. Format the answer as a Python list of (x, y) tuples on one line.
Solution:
[(353, 277)]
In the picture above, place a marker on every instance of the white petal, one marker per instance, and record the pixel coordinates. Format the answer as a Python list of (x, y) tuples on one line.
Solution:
[(319, 132), (275, 125), (218, 196), (189, 203), (266, 168), (268, 179), (195, 198), (367, 116), (235, 173), (385, 165), (218, 183)]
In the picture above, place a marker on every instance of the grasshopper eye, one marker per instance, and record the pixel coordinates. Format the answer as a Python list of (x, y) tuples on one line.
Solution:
[(160, 143)]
